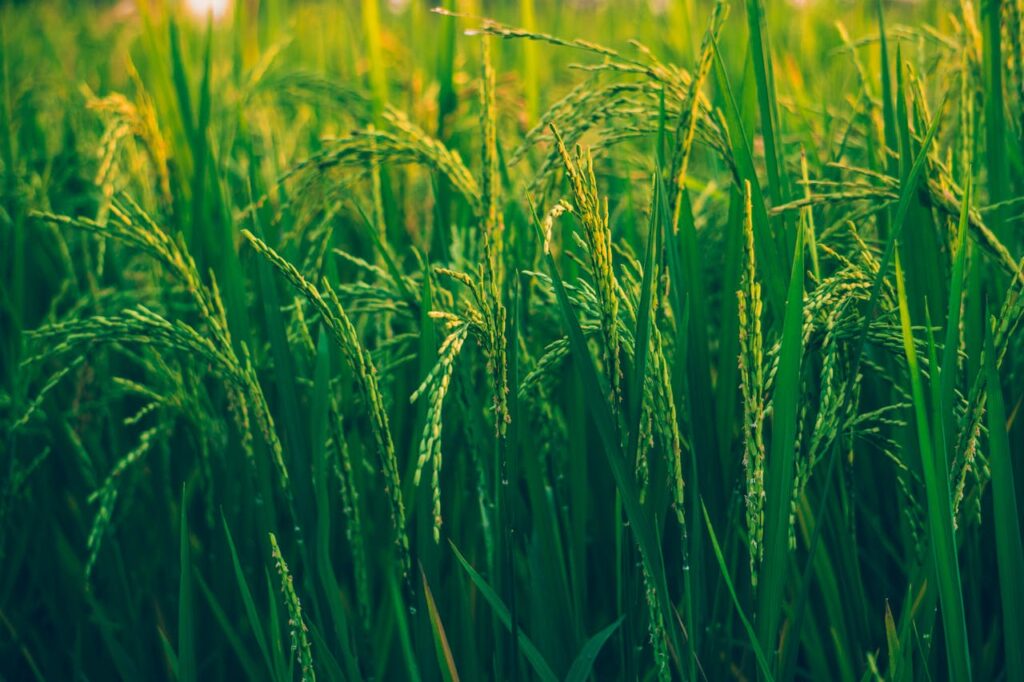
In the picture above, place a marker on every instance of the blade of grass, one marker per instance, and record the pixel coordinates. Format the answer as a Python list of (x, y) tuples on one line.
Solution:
[(690, 550), (374, 233), (372, 33), (642, 335), (319, 415), (908, 188), (1009, 550), (762, 661), (923, 272), (939, 508), (428, 552), (691, 546), (326, 663), (641, 348), (995, 118), (950, 349), (892, 641), (530, 651), (782, 456), (399, 614), (764, 242), (186, 610), (447, 102), (200, 137), (168, 651), (284, 665), (255, 621), (767, 102), (531, 81), (249, 666), (179, 75), (444, 652), (186, 116), (799, 612), (684, 260), (888, 111), (584, 662), (510, 460)]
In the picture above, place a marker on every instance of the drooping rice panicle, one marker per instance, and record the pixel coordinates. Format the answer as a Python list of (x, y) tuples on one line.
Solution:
[(344, 333), (592, 214), (435, 388)]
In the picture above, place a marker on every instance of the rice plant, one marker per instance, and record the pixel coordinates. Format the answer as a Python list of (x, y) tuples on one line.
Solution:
[(621, 340)]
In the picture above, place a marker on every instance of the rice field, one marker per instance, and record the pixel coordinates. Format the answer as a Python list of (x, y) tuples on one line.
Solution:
[(597, 340)]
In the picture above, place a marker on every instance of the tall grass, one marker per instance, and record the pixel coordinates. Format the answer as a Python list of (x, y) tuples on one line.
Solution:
[(354, 341)]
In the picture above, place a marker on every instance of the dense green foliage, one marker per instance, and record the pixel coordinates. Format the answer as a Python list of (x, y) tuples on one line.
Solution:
[(619, 340)]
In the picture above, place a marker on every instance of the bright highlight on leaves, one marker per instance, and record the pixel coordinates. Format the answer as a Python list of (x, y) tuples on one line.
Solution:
[(201, 9)]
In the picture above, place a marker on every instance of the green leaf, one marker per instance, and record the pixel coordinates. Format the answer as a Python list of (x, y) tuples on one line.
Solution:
[(948, 372), (781, 468), (510, 453), (530, 650), (888, 111), (444, 652), (642, 335), (765, 245), (325, 661), (378, 71), (939, 508), (762, 661), (1009, 550), (255, 620), (683, 259), (283, 664), (994, 106), (186, 612), (767, 101), (907, 190), (892, 640), (319, 415), (584, 663), (200, 153), (232, 635), (412, 668), (180, 77)]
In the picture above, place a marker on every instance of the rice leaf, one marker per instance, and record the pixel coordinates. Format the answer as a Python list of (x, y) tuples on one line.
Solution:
[(939, 510), (1009, 549), (642, 335), (584, 662), (908, 188), (530, 651), (444, 652), (994, 109), (767, 101), (255, 621), (782, 456), (950, 348), (186, 609), (764, 241), (763, 665)]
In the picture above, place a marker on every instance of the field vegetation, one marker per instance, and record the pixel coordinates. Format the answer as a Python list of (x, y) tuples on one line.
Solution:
[(511, 340)]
